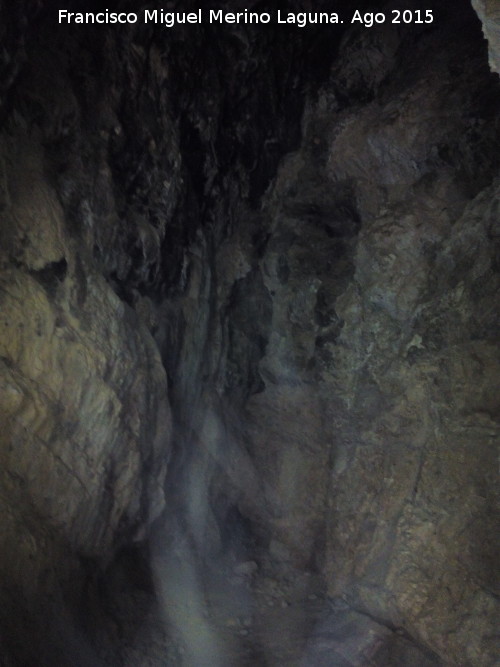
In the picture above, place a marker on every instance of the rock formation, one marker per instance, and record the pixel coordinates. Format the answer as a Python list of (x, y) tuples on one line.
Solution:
[(249, 342), (489, 13)]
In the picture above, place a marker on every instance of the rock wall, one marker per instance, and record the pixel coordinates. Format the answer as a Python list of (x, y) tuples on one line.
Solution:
[(414, 440), (249, 313), (374, 427), (489, 13), (86, 421)]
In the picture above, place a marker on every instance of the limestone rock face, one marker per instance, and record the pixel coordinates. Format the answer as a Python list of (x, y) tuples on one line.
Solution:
[(376, 424), (86, 422), (489, 13), (249, 343)]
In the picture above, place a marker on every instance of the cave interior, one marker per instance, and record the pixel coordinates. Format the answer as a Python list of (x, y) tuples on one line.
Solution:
[(249, 337)]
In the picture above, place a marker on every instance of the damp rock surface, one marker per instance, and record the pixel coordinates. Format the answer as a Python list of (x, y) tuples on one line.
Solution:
[(249, 344), (489, 13)]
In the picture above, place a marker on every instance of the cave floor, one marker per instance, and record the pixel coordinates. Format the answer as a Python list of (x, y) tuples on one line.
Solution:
[(279, 607), (266, 615)]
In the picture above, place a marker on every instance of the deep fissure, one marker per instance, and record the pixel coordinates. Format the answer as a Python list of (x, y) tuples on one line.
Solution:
[(249, 285)]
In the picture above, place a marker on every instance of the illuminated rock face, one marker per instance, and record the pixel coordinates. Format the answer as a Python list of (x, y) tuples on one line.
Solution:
[(489, 13), (85, 414), (378, 425), (249, 286)]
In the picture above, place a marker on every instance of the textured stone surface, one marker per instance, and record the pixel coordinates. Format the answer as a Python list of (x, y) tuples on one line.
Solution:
[(378, 422), (303, 245), (489, 13), (86, 421)]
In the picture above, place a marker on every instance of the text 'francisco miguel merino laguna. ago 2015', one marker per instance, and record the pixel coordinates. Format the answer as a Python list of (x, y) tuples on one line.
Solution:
[(219, 16)]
